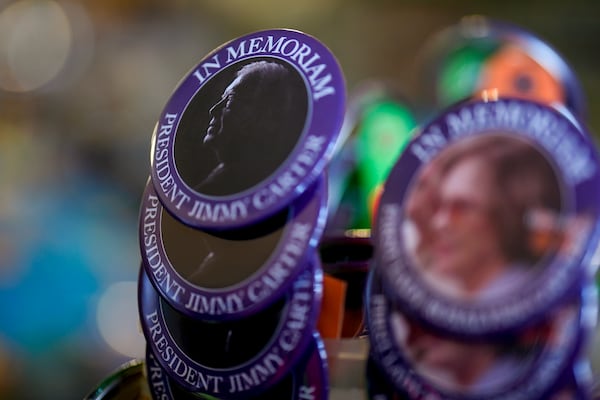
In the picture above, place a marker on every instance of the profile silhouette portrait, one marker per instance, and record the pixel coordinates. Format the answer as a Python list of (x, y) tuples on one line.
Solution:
[(241, 126)]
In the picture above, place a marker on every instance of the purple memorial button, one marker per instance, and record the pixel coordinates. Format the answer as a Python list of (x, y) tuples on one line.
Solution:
[(573, 385), (308, 379), (238, 358), (229, 274), (248, 129), (521, 365), (489, 217)]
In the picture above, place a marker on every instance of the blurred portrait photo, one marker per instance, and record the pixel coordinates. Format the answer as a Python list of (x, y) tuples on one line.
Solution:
[(485, 216)]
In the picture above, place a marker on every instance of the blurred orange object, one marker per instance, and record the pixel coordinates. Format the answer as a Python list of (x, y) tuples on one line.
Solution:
[(514, 73), (331, 318)]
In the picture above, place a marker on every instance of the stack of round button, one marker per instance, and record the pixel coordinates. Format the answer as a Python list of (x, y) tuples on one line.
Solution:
[(231, 281), (482, 285)]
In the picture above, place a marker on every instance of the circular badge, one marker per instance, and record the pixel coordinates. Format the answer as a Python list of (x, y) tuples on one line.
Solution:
[(236, 358), (521, 365), (229, 274), (307, 380), (479, 53), (248, 129), (489, 216), (126, 382)]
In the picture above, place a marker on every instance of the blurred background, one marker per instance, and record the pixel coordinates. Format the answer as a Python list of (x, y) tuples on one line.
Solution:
[(81, 86)]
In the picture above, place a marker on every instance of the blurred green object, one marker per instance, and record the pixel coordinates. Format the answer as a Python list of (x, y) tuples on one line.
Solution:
[(382, 135), (379, 124), (481, 53), (460, 71)]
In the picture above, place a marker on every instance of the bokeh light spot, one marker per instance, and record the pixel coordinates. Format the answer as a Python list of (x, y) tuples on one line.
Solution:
[(35, 42), (117, 318)]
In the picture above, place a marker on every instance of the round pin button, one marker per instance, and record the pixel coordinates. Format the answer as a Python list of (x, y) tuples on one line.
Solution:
[(236, 358), (480, 53), (490, 217), (248, 129), (125, 383), (229, 274), (425, 363), (307, 379)]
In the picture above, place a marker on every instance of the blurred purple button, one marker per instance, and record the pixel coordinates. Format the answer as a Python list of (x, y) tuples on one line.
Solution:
[(490, 216), (525, 364), (229, 274)]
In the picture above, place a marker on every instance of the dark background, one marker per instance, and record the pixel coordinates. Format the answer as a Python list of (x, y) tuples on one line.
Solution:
[(81, 87)]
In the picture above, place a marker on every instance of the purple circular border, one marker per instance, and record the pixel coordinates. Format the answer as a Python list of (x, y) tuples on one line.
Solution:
[(540, 380), (311, 154), (310, 375), (302, 232), (302, 308), (558, 279)]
